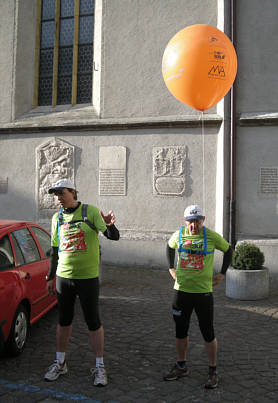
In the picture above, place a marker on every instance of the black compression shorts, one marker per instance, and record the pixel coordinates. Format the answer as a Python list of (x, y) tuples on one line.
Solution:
[(183, 305), (88, 292)]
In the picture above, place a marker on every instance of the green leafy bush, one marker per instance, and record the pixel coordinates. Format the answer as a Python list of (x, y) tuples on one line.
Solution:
[(247, 256)]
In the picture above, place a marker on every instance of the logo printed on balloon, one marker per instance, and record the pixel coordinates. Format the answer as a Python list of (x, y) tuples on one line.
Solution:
[(217, 72), (199, 66), (219, 55)]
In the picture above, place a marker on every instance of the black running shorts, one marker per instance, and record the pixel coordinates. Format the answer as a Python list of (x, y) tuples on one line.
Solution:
[(88, 292), (183, 305)]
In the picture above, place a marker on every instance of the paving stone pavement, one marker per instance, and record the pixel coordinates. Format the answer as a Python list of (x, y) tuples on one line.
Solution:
[(140, 348)]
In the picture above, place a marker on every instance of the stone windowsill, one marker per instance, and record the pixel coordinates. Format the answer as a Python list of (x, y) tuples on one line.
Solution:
[(259, 119), (67, 118)]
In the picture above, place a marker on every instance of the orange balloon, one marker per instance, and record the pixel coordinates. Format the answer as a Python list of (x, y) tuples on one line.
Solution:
[(199, 66)]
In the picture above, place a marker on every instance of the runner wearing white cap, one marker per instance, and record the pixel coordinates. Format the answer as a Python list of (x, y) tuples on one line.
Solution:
[(194, 280)]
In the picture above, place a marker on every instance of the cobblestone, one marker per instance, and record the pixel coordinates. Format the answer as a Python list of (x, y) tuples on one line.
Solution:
[(140, 348)]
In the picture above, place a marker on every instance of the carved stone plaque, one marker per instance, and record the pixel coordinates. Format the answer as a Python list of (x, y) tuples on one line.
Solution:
[(269, 180), (55, 160), (169, 170), (3, 185), (112, 171)]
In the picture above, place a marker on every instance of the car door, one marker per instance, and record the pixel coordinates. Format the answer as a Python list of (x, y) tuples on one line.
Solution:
[(32, 271), (43, 240), (9, 287)]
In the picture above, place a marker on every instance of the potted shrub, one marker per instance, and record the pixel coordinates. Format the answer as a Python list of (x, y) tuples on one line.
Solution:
[(247, 279)]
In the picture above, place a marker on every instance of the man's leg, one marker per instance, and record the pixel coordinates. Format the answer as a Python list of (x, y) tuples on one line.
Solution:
[(59, 367), (182, 309), (66, 299), (212, 352), (89, 295), (97, 341), (63, 334), (181, 348), (211, 348), (204, 311)]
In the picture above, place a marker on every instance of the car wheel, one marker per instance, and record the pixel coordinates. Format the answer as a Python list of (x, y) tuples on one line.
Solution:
[(19, 331)]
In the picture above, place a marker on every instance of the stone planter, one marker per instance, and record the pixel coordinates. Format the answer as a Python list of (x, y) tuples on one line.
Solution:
[(247, 285)]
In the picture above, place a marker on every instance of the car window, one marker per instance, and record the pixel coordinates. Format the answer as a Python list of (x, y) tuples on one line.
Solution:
[(6, 253), (27, 245), (44, 240), (19, 256)]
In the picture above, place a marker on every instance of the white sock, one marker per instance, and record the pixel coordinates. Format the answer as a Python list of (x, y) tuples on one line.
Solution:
[(60, 357), (99, 361)]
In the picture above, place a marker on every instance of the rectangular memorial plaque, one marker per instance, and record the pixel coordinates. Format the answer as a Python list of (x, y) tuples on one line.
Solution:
[(269, 180), (112, 171)]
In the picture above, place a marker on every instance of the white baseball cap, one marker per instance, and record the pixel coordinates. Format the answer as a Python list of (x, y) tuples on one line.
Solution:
[(193, 212), (62, 184)]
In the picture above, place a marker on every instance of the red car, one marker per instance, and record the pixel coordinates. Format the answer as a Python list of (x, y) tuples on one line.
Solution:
[(24, 262)]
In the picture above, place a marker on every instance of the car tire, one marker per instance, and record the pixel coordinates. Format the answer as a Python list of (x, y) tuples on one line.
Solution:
[(19, 331)]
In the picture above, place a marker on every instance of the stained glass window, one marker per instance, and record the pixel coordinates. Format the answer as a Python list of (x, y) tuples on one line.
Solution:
[(59, 82), (47, 51), (85, 52)]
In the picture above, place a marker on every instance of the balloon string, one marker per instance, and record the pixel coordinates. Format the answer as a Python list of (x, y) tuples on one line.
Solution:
[(204, 182)]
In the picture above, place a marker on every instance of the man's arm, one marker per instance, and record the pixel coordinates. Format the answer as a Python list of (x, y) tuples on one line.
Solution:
[(170, 254), (227, 259), (112, 232), (52, 269)]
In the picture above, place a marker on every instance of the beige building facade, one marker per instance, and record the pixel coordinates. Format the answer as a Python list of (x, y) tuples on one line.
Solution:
[(133, 147)]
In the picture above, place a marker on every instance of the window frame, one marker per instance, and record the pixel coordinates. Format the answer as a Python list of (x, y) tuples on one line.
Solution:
[(35, 231), (11, 252), (34, 246), (56, 55)]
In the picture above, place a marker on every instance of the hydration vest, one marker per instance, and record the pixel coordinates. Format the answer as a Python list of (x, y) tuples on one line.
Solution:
[(84, 208), (193, 251)]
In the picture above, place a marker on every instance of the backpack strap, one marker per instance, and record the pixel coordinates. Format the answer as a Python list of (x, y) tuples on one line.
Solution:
[(85, 218), (205, 242), (60, 223), (180, 248), (195, 252)]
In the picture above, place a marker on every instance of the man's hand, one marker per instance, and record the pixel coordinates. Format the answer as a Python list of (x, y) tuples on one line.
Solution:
[(50, 287), (217, 279), (173, 273), (109, 219)]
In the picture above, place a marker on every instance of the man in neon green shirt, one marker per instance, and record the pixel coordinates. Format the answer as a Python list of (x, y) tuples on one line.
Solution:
[(75, 260), (193, 287)]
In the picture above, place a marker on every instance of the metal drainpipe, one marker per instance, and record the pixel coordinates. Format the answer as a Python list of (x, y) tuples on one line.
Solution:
[(232, 215)]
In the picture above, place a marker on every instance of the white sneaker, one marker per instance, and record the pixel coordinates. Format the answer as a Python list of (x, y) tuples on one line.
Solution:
[(55, 370), (99, 376)]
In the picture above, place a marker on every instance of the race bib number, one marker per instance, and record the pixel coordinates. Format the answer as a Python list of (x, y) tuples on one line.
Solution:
[(192, 261), (72, 239)]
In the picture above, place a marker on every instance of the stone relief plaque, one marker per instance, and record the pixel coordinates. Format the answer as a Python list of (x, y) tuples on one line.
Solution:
[(269, 180), (55, 160), (3, 185), (169, 170), (112, 171)]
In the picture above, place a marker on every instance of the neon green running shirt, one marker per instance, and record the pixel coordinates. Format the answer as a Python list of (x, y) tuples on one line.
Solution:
[(78, 243), (194, 271)]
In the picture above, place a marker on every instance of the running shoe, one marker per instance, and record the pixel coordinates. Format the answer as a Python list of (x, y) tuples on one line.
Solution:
[(99, 376), (55, 370), (176, 373), (212, 381)]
